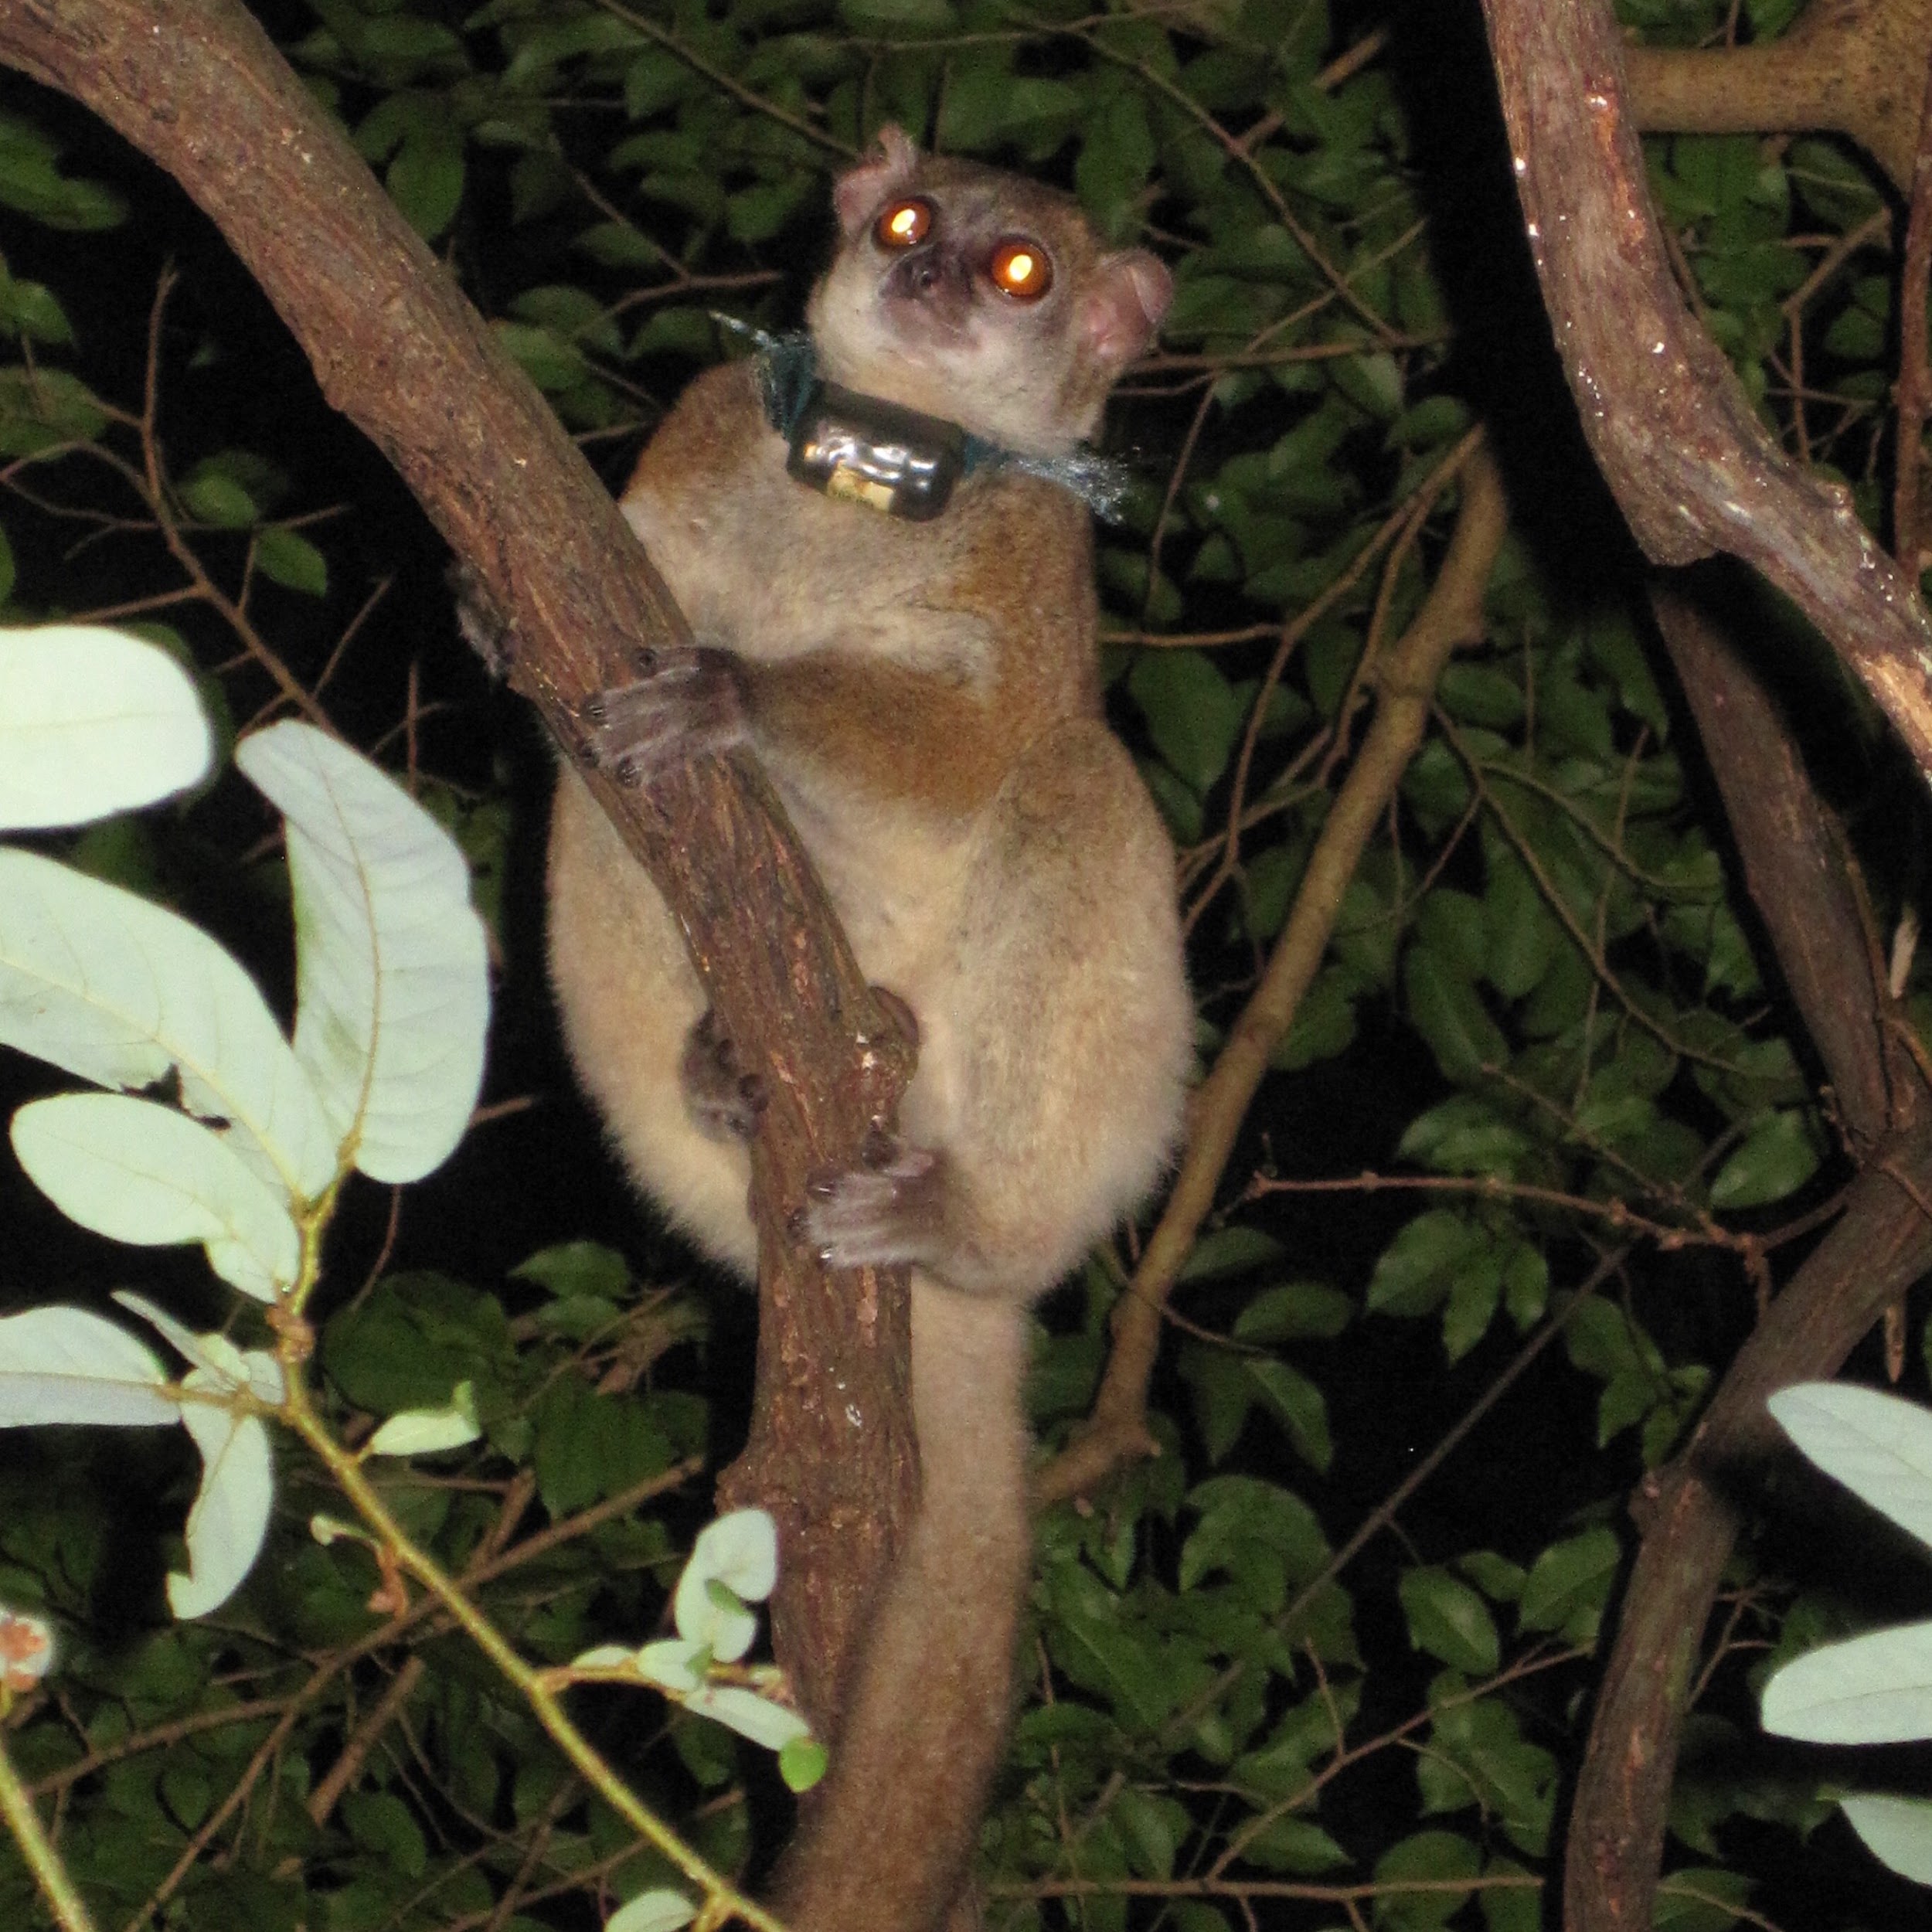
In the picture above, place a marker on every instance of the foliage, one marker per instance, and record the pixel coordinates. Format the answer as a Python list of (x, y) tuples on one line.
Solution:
[(1265, 1676)]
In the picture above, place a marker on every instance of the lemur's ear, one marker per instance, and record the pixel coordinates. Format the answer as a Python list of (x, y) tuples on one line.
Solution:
[(859, 190), (1131, 294)]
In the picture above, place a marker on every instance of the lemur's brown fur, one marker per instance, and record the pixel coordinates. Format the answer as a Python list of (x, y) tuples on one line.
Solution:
[(925, 698)]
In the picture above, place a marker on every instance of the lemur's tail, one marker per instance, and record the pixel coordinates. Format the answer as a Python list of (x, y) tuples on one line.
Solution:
[(889, 1839)]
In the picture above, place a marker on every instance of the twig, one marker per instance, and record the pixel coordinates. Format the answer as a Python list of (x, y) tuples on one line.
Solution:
[(1452, 615)]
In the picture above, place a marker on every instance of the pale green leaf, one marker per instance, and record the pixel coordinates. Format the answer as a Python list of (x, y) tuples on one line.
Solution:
[(229, 1518), (92, 723), (674, 1664), (117, 990), (748, 1714), (222, 1365), (422, 1432), (1879, 1445), (739, 1551), (660, 1910), (392, 984), (135, 1171), (606, 1657), (1873, 1689), (64, 1365), (1897, 1831)]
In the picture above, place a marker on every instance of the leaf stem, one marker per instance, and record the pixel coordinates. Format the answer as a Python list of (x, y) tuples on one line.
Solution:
[(16, 1807)]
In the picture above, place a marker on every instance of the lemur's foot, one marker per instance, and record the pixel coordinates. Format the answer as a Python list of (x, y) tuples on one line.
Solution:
[(723, 1102), (889, 1209), (683, 702)]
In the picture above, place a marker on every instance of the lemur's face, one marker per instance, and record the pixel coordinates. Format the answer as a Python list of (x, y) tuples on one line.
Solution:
[(980, 297)]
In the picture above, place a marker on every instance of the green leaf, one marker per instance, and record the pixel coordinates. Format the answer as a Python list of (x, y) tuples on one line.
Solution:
[(31, 183), (392, 974), (1324, 1026), (32, 309), (425, 180), (1229, 1384), (413, 1339), (1435, 1862), (1260, 1534), (92, 723), (1294, 1312), (1293, 1845), (1423, 1265), (802, 1763), (1467, 1135), (290, 559), (1778, 1156), (1229, 1251), (213, 496), (985, 104), (905, 16), (41, 408), (1449, 1014), (1193, 714), (380, 1822), (1448, 1619), (1696, 1898), (1569, 1584), (137, 1172), (572, 1268)]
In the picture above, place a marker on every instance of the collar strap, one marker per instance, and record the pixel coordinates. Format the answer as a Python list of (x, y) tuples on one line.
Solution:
[(895, 459)]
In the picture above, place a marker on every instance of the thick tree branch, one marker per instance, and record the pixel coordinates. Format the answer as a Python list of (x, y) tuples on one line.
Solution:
[(1853, 67), (197, 86), (1692, 467)]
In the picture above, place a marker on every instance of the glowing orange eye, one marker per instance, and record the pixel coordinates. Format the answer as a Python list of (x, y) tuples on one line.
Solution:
[(905, 224), (1021, 268)]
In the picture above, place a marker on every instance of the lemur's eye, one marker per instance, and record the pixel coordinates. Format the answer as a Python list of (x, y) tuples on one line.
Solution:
[(1021, 269), (903, 224)]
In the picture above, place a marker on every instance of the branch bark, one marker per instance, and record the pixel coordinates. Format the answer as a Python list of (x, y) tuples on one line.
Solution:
[(1693, 469), (197, 86)]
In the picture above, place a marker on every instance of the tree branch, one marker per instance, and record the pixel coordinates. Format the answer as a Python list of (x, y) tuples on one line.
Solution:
[(1852, 67), (1691, 466), (1117, 1432), (1794, 868), (197, 86)]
